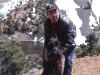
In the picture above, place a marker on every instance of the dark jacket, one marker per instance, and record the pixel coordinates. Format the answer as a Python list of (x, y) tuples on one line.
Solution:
[(64, 30)]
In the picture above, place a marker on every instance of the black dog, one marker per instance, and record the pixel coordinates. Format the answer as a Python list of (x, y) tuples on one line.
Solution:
[(54, 48), (56, 57)]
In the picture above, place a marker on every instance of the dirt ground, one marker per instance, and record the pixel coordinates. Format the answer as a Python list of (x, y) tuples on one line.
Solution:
[(83, 66), (86, 66)]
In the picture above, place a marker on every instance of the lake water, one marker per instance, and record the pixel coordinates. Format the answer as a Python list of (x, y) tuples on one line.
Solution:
[(31, 47)]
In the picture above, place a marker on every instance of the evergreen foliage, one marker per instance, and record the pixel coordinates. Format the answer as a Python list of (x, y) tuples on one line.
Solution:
[(12, 58), (91, 48)]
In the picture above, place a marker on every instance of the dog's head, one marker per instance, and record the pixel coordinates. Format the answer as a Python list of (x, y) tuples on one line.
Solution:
[(53, 44)]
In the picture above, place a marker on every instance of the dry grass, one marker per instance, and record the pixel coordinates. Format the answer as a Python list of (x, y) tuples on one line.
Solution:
[(86, 66)]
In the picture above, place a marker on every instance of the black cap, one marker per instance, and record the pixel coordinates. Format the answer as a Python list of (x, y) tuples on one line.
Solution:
[(51, 7)]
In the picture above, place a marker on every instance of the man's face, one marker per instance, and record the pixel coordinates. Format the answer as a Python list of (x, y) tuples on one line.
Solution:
[(53, 15)]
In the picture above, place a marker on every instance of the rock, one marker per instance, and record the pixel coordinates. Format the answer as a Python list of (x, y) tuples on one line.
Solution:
[(35, 64)]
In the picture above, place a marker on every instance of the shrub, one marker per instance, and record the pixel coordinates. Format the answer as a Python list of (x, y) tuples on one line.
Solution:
[(81, 51), (91, 48), (12, 58)]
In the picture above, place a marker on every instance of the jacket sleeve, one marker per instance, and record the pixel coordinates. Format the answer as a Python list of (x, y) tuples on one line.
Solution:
[(70, 31)]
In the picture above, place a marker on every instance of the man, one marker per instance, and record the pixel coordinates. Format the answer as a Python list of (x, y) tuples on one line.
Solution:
[(61, 28)]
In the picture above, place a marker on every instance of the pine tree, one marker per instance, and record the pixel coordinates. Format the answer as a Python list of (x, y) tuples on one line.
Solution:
[(12, 59), (91, 41)]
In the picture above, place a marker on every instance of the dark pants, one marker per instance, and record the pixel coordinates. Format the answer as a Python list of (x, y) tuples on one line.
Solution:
[(68, 60)]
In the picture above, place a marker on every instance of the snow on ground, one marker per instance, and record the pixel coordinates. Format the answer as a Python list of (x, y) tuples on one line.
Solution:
[(10, 5), (95, 8), (70, 7)]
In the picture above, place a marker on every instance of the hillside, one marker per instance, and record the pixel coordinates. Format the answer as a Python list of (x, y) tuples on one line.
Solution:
[(86, 66), (24, 19), (81, 66)]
